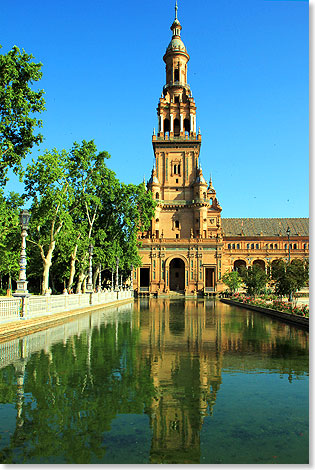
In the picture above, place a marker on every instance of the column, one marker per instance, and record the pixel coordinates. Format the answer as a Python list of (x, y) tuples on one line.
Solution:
[(161, 124), (191, 123), (172, 123), (181, 123)]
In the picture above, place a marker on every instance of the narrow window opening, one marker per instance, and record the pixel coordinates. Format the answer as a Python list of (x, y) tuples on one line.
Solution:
[(176, 223), (176, 127), (176, 75)]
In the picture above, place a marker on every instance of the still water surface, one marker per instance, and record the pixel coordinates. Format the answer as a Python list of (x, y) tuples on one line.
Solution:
[(157, 381)]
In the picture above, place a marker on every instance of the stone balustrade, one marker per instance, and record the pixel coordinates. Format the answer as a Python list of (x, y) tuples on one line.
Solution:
[(18, 308)]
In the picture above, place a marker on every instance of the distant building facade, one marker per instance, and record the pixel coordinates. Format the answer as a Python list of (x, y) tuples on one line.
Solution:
[(190, 246)]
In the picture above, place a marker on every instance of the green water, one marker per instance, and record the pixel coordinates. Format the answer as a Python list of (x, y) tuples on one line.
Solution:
[(157, 381)]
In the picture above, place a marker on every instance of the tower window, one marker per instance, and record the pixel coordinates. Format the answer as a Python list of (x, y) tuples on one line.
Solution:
[(176, 75), (166, 125), (177, 236), (176, 127), (176, 99), (176, 170), (176, 223), (176, 180), (157, 196), (186, 125)]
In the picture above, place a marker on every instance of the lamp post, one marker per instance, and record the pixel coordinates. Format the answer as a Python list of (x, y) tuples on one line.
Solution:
[(21, 290), (90, 280), (289, 258), (117, 266), (131, 277), (100, 277)]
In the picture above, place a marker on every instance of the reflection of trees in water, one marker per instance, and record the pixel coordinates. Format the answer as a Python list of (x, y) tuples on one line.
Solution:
[(168, 365), (74, 402)]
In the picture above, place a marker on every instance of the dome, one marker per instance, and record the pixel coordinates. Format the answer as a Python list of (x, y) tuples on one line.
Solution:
[(176, 44), (153, 179)]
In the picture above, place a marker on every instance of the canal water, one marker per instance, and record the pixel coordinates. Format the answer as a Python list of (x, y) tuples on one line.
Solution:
[(157, 381)]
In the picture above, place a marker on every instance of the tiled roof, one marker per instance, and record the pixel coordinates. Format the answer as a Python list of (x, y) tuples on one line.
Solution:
[(265, 227)]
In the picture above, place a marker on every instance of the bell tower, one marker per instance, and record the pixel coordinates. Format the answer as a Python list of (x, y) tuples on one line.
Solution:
[(185, 239)]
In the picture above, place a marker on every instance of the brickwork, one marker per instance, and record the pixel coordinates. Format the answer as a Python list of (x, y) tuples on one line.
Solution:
[(189, 247)]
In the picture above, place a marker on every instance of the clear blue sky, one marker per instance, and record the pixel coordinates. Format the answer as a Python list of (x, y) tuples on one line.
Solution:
[(248, 71)]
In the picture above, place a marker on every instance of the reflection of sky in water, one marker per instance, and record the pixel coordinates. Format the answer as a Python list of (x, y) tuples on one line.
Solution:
[(163, 382)]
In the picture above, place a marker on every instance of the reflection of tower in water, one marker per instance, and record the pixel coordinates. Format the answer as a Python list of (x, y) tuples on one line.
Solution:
[(181, 339)]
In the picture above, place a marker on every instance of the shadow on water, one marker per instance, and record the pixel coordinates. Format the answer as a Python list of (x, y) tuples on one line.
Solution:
[(157, 381)]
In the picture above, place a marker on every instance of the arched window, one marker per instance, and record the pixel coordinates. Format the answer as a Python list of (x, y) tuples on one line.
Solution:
[(229, 246), (252, 246), (271, 246), (176, 127), (257, 246), (176, 75), (248, 246), (238, 246), (157, 196), (276, 246), (166, 126), (295, 246), (186, 125)]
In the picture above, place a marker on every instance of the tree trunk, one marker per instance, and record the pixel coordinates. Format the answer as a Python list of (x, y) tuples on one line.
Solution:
[(79, 283), (47, 262), (84, 285), (96, 273), (72, 267)]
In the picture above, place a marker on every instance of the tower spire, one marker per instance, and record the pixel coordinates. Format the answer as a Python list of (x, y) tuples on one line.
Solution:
[(176, 8)]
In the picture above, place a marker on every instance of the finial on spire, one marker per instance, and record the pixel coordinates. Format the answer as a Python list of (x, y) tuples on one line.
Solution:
[(210, 182), (176, 8)]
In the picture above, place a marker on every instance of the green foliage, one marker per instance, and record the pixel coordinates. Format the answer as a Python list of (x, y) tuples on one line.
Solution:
[(233, 280), (289, 277), (78, 200), (19, 105), (47, 185), (254, 278), (10, 234)]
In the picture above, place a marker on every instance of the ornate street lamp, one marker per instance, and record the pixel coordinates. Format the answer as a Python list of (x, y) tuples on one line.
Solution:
[(117, 266), (289, 260), (21, 290), (288, 233), (100, 277), (90, 279), (131, 277)]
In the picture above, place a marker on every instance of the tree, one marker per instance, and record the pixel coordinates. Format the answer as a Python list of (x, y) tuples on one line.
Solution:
[(233, 280), (10, 234), (18, 107), (289, 277), (254, 278), (47, 185)]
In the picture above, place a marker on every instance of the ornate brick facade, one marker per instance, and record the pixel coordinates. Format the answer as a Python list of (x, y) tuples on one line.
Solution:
[(189, 246)]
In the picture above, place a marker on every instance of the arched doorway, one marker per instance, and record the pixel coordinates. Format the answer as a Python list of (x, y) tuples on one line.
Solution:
[(260, 263), (238, 264), (177, 274)]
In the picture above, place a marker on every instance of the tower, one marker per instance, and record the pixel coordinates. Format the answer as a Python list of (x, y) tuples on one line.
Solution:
[(182, 251)]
